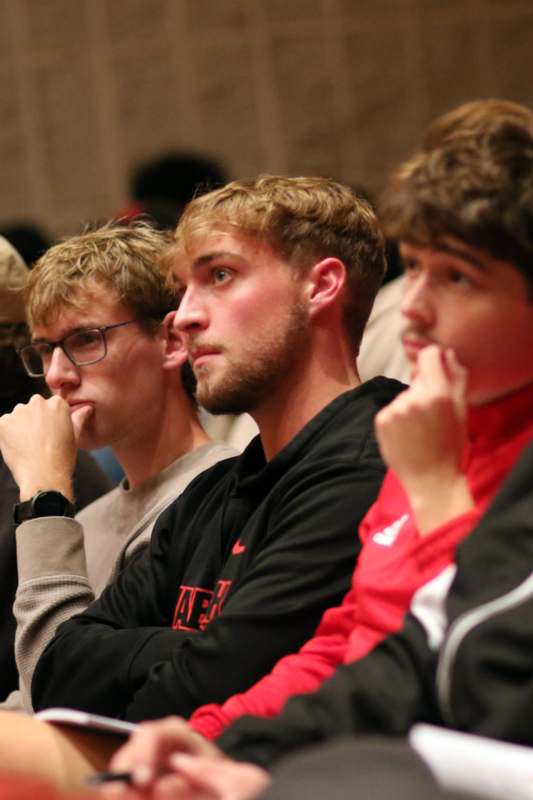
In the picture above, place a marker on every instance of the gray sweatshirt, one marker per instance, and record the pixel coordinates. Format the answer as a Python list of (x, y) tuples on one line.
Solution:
[(64, 564)]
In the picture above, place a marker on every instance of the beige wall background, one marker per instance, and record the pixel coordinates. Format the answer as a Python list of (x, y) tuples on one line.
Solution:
[(334, 87)]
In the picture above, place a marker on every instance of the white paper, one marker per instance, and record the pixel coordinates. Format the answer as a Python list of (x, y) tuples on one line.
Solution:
[(95, 722), (474, 764)]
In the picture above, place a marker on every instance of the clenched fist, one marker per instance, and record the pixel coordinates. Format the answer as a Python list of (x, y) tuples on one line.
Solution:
[(38, 444)]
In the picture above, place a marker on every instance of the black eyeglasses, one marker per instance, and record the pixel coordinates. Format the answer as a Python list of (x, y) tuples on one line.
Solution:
[(81, 348)]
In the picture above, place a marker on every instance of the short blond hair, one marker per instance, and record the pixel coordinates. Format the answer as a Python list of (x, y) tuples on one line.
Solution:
[(123, 258), (303, 220)]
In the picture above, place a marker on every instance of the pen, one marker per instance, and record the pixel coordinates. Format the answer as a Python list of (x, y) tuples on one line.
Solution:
[(107, 777)]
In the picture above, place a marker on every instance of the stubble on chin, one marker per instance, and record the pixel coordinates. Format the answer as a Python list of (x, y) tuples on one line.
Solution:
[(232, 394), (262, 369)]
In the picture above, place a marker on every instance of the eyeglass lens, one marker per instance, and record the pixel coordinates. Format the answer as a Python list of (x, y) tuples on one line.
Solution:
[(83, 347)]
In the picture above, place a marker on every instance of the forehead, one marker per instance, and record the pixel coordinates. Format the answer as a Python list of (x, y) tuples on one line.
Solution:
[(94, 306), (208, 248)]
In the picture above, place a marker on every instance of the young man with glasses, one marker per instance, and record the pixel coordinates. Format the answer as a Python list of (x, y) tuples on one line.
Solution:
[(17, 387), (97, 309)]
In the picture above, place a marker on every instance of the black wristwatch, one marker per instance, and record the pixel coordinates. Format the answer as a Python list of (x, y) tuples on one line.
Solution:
[(43, 504)]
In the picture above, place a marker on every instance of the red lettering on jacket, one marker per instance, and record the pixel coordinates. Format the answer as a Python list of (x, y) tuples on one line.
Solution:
[(195, 607), (219, 595), (191, 605)]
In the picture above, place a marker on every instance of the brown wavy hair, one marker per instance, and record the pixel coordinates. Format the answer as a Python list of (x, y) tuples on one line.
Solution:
[(474, 181)]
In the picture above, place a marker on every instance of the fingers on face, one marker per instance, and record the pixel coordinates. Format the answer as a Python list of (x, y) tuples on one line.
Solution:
[(457, 372), (431, 370), (439, 372)]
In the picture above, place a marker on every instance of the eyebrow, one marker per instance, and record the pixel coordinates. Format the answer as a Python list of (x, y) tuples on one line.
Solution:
[(456, 252), (77, 329), (208, 258), (461, 254)]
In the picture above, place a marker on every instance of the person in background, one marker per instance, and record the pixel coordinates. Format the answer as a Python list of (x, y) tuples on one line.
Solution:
[(27, 238), (161, 187)]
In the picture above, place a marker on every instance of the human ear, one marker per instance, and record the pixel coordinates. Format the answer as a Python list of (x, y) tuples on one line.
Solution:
[(326, 281), (175, 352)]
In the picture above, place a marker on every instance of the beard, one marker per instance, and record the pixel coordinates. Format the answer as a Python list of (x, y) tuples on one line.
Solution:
[(259, 371)]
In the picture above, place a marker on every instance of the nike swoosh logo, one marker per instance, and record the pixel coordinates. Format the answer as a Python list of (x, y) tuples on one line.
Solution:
[(238, 548)]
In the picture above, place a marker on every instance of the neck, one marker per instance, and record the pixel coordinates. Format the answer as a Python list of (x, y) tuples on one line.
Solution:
[(316, 380), (174, 432)]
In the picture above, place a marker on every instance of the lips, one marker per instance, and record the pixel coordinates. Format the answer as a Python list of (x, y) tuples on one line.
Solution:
[(75, 405), (200, 355), (413, 344)]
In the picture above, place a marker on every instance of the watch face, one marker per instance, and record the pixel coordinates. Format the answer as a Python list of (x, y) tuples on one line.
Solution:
[(50, 504)]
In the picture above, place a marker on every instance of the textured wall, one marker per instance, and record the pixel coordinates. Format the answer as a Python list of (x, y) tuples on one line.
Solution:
[(337, 87)]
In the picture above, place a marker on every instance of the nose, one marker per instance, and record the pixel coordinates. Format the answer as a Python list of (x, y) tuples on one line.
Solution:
[(191, 314), (416, 304), (60, 371)]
